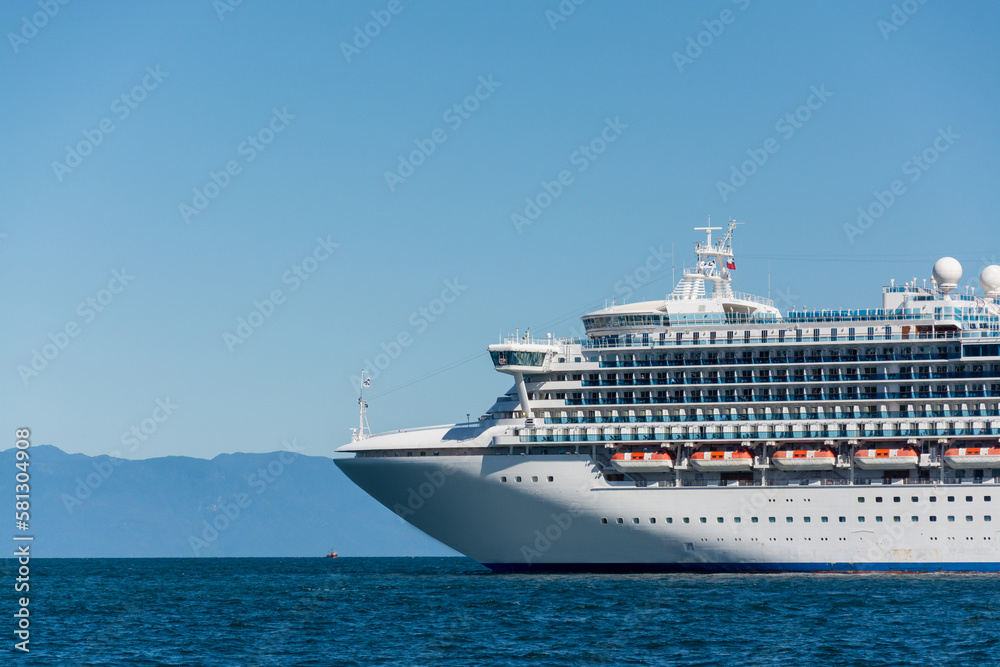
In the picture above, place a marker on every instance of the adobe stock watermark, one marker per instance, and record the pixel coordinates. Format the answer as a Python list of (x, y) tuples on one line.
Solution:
[(381, 18), (223, 7), (581, 158), (294, 277), (30, 25), (901, 13), (563, 11), (545, 538), (132, 438), (122, 107), (704, 39), (417, 496), (87, 310), (420, 320), (786, 126), (228, 512), (248, 149), (453, 116), (644, 273), (786, 297), (914, 169)]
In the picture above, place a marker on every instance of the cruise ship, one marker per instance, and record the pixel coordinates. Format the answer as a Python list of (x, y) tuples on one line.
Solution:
[(708, 432)]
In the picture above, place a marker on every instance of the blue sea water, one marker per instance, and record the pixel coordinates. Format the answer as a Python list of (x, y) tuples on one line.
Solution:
[(450, 611)]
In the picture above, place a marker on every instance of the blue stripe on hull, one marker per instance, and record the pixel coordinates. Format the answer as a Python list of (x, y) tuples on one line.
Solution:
[(623, 568)]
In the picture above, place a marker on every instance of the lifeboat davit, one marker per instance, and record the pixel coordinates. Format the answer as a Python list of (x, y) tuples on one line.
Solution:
[(901, 458), (661, 461), (815, 458), (972, 457), (722, 460)]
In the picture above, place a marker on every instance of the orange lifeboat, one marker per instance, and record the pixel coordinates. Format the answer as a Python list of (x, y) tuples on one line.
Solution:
[(972, 457), (660, 461), (814, 458), (722, 460), (887, 459)]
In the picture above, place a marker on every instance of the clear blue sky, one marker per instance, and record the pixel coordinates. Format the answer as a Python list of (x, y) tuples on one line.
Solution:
[(679, 126)]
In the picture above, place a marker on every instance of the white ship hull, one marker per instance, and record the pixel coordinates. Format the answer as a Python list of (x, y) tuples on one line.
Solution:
[(580, 521)]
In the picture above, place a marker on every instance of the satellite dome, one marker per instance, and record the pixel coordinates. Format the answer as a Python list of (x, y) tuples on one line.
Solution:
[(989, 279), (947, 273)]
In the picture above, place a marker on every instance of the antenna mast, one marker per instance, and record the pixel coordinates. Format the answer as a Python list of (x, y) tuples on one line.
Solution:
[(363, 430)]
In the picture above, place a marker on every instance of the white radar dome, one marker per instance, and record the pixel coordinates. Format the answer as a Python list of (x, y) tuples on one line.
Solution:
[(947, 273), (989, 279)]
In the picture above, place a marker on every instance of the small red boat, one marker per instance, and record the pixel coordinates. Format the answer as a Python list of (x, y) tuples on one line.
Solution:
[(332, 554)]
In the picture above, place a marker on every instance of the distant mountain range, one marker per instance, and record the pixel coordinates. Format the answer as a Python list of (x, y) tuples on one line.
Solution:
[(277, 504)]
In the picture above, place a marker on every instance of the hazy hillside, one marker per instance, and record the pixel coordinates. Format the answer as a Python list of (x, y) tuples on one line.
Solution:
[(277, 504)]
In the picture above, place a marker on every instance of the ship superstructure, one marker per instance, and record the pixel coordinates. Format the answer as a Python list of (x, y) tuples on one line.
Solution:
[(707, 431)]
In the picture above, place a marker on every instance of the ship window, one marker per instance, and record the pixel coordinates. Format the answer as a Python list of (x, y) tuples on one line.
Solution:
[(878, 499), (550, 478), (825, 519), (951, 518), (933, 518), (652, 519), (503, 479), (635, 519), (737, 519), (878, 519), (933, 499), (604, 519), (788, 519), (517, 479), (861, 499), (534, 478), (806, 519), (987, 518), (895, 499), (687, 520), (951, 499), (913, 498), (896, 519), (753, 519), (720, 519), (968, 518), (670, 519), (968, 499), (861, 519), (619, 520), (986, 498), (703, 520), (770, 519), (914, 518)]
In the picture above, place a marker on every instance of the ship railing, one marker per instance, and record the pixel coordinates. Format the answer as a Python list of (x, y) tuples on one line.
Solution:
[(603, 342)]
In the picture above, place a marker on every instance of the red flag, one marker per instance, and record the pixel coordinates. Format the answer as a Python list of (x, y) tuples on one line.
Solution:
[(731, 265)]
